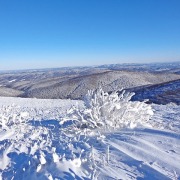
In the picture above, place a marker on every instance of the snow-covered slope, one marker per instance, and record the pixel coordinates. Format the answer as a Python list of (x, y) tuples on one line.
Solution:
[(163, 93), (37, 146), (75, 82)]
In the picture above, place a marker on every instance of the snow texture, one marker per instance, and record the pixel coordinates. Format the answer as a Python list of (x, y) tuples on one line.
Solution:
[(36, 142)]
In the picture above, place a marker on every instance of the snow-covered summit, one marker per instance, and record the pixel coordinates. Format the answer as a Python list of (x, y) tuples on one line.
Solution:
[(38, 147)]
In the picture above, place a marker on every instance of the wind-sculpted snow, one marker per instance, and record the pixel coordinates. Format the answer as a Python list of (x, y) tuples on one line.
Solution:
[(36, 144)]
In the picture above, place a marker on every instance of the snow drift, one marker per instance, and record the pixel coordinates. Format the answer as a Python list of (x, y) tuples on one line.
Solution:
[(38, 140)]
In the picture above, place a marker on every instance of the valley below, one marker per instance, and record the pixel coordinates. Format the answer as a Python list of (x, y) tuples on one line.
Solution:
[(73, 83)]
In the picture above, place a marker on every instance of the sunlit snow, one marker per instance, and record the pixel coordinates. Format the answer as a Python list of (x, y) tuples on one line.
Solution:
[(35, 144)]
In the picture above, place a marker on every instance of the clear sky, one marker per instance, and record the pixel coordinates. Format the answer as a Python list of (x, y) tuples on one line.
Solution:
[(56, 33)]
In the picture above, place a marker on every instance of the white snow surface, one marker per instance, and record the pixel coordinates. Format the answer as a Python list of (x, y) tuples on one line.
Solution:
[(35, 144)]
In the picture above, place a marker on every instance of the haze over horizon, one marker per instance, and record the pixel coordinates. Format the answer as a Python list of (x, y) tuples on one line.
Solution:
[(44, 34)]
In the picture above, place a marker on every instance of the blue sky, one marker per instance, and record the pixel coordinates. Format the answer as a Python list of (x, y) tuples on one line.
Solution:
[(44, 33)]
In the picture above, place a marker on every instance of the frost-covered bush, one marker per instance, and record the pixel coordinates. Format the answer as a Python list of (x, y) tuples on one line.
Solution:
[(12, 115), (103, 110)]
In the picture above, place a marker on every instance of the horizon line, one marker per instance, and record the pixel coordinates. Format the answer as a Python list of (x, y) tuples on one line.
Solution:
[(70, 67)]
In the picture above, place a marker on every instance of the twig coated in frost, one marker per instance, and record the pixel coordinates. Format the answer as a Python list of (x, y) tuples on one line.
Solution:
[(110, 111)]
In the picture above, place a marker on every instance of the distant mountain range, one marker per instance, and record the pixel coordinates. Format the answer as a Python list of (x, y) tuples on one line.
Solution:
[(153, 81)]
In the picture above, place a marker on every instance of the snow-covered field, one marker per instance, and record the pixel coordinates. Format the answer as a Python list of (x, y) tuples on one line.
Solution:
[(34, 144)]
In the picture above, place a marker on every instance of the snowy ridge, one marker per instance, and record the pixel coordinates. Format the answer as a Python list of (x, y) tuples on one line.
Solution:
[(163, 93), (38, 146), (74, 83)]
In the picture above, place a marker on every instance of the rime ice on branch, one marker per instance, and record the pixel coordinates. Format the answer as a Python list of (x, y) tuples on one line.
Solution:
[(103, 110)]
